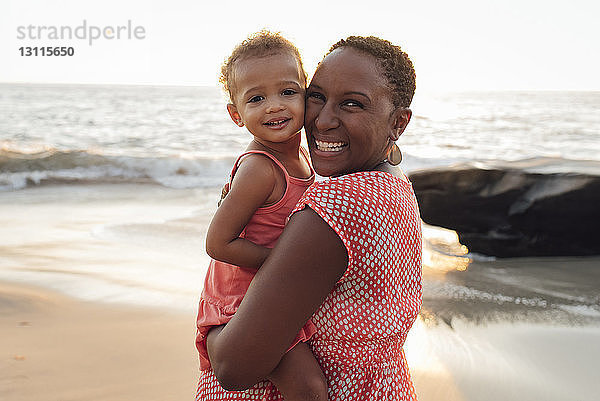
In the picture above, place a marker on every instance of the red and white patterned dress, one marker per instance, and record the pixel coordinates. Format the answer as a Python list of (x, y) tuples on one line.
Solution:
[(362, 324)]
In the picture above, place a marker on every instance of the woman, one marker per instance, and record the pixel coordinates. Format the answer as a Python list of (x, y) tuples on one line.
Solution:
[(350, 256)]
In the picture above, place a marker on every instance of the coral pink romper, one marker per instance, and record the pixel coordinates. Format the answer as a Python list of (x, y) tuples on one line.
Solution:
[(363, 322), (225, 285)]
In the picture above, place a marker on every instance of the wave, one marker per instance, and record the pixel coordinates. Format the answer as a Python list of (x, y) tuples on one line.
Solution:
[(20, 170), (23, 168)]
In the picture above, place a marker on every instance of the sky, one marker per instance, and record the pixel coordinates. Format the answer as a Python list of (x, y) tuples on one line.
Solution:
[(454, 45)]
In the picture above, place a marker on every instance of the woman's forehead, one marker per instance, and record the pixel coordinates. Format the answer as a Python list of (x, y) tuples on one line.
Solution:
[(348, 70), (347, 66)]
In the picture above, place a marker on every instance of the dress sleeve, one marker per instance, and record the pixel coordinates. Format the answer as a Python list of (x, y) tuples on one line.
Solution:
[(333, 202)]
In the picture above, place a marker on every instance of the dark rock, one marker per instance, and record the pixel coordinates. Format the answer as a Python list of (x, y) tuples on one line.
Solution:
[(528, 208)]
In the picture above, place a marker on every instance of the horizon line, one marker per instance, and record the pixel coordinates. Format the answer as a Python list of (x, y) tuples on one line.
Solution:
[(216, 86)]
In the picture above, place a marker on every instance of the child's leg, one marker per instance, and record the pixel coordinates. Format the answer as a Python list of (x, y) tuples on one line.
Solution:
[(299, 377)]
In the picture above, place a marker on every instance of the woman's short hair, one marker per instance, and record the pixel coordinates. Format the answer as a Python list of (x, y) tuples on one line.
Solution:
[(395, 64), (260, 44)]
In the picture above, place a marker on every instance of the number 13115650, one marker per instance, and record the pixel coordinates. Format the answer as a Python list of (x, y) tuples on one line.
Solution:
[(48, 51)]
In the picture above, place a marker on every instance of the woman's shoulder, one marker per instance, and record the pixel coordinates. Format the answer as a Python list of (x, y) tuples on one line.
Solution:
[(358, 193)]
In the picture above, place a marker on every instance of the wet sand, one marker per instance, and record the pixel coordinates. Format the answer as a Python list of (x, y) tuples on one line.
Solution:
[(508, 329), (57, 348), (504, 361)]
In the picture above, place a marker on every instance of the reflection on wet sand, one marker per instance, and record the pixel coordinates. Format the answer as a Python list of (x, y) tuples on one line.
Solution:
[(442, 252), (501, 361), (498, 329)]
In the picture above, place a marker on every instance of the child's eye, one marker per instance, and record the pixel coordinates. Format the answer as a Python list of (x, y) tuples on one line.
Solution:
[(255, 99), (316, 96), (288, 92)]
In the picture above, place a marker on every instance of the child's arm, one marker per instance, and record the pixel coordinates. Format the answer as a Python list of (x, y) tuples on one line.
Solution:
[(252, 185)]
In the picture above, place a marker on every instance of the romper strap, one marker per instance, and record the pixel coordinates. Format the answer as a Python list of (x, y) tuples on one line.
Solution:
[(304, 153), (258, 152)]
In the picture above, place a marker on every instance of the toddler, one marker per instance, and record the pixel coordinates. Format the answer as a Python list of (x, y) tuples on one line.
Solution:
[(266, 82)]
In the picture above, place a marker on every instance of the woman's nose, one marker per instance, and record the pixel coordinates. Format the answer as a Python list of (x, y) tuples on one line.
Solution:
[(326, 119)]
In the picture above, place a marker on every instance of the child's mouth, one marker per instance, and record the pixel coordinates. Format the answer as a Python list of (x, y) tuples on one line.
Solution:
[(277, 123)]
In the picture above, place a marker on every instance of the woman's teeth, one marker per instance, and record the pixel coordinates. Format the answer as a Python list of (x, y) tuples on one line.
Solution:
[(329, 146)]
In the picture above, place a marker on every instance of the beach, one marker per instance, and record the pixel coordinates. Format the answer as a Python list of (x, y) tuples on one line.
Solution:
[(96, 304), (106, 193), (116, 140)]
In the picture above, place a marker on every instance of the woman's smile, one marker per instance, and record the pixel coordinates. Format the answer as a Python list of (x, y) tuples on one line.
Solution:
[(328, 146)]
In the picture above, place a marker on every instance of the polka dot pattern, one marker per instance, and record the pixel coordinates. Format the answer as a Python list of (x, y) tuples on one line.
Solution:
[(210, 389), (362, 324)]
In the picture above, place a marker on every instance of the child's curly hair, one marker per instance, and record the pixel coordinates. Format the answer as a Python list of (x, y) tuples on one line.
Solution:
[(395, 64), (260, 44)]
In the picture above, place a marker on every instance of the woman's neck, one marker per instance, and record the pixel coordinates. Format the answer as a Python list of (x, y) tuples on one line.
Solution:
[(388, 168)]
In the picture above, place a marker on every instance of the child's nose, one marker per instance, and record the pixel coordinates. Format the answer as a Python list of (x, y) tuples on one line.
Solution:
[(274, 106)]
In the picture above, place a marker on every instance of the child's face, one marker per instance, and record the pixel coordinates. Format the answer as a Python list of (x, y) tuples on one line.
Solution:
[(269, 97)]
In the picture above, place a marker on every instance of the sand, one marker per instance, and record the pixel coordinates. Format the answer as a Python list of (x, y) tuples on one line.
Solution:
[(509, 329), (56, 348), (504, 361)]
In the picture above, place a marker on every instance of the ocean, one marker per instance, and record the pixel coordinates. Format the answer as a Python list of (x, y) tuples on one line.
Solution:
[(106, 191), (181, 137)]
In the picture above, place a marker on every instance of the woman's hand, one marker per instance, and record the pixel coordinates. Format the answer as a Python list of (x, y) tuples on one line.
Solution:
[(224, 193), (301, 270)]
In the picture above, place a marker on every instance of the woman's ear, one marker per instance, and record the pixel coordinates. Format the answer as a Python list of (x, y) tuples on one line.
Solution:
[(235, 115), (401, 118)]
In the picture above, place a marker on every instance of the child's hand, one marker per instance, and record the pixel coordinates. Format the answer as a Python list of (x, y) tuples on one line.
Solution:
[(224, 193)]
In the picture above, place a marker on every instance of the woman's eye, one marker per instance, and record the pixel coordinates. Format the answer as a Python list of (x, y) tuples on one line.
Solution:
[(316, 95), (352, 103), (255, 99), (288, 92)]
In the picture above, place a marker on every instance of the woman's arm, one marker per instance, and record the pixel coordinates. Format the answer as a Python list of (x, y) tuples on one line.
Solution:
[(252, 186), (301, 270)]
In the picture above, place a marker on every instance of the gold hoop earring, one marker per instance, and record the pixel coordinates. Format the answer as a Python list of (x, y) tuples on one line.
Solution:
[(395, 155)]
